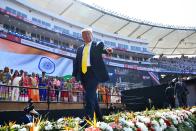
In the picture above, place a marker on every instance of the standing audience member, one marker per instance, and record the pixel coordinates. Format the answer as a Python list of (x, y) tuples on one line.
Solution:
[(15, 81), (21, 72), (1, 76), (43, 87), (6, 77), (51, 92), (34, 85), (57, 89), (22, 90), (25, 85), (64, 92), (6, 80), (11, 72)]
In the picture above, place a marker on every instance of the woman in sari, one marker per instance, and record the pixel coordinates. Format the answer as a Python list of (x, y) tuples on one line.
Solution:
[(34, 93), (24, 96)]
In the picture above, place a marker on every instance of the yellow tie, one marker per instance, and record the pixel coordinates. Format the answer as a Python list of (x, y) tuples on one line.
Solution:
[(85, 58)]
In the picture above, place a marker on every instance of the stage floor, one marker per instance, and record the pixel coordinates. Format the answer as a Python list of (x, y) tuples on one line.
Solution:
[(12, 111), (19, 106)]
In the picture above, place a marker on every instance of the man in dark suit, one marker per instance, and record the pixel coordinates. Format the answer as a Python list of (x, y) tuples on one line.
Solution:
[(89, 68), (182, 92), (170, 95)]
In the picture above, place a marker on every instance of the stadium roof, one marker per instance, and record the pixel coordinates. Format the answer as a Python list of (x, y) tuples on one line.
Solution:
[(163, 39)]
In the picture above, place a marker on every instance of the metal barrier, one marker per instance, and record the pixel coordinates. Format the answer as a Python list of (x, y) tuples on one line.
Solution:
[(49, 95)]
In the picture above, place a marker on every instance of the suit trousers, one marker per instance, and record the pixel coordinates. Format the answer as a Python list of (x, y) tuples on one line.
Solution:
[(90, 82)]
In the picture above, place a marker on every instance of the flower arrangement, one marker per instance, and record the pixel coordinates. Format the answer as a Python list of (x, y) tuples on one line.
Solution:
[(148, 120)]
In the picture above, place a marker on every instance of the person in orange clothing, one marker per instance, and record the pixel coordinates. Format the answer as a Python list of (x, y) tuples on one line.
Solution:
[(108, 95), (34, 93), (103, 90)]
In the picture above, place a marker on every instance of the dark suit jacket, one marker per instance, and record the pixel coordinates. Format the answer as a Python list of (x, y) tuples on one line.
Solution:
[(96, 61), (24, 119)]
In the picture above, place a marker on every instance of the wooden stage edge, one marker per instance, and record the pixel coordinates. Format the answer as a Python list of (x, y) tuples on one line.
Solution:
[(19, 106)]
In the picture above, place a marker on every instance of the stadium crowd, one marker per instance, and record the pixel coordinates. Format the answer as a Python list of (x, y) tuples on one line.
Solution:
[(184, 64), (44, 41), (21, 86)]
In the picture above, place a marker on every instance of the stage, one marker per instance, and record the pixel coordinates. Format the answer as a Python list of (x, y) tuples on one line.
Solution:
[(11, 111)]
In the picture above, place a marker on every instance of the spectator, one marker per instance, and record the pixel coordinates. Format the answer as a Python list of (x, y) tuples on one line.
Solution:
[(67, 91), (115, 95), (6, 77), (34, 92), (11, 72), (26, 84), (21, 72), (64, 91), (1, 76), (57, 88), (43, 87), (15, 81), (51, 89)]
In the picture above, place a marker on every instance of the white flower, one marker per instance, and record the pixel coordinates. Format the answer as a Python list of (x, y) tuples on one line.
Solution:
[(142, 126), (77, 119), (104, 126), (126, 123), (174, 119), (61, 120), (158, 114), (193, 110), (180, 119), (57, 126), (186, 116), (47, 122), (48, 127), (162, 124), (37, 128), (15, 126), (22, 129), (156, 125), (175, 122), (30, 124), (143, 119), (189, 113), (127, 129), (130, 124)]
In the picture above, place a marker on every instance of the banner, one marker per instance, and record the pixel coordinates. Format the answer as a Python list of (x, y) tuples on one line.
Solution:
[(21, 57)]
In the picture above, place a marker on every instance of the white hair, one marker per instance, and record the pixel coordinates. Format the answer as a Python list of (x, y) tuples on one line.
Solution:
[(87, 30)]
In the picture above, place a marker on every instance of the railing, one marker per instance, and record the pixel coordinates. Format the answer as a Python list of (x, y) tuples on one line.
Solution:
[(50, 95)]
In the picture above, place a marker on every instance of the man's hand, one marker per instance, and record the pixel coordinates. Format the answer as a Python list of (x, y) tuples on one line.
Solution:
[(109, 51)]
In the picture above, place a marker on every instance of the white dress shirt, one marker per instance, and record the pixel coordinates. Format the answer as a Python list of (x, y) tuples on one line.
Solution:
[(88, 60)]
